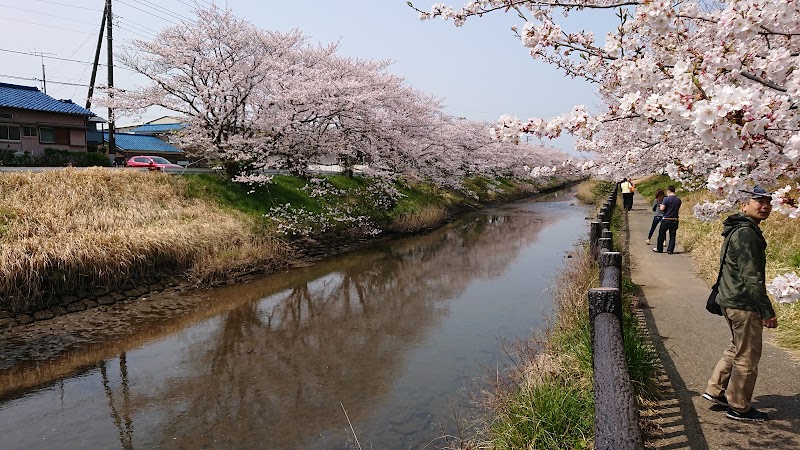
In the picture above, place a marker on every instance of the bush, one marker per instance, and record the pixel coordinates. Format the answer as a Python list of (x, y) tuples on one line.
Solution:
[(10, 158), (54, 158), (62, 158)]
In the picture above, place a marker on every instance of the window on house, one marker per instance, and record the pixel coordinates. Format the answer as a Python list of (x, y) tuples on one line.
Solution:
[(6, 116), (9, 132), (29, 131), (47, 135)]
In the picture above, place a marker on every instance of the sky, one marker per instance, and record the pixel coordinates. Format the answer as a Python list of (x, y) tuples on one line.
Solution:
[(480, 70)]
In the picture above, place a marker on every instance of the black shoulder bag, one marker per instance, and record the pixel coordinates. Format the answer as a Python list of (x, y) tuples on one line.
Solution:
[(711, 304)]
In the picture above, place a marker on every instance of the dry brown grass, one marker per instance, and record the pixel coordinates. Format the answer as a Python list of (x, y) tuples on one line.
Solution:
[(569, 293), (427, 217), (704, 241), (585, 191), (67, 229)]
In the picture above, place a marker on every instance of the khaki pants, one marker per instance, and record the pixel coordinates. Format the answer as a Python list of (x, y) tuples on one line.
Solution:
[(736, 372)]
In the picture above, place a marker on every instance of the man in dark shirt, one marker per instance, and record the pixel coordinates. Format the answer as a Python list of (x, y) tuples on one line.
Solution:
[(669, 224)]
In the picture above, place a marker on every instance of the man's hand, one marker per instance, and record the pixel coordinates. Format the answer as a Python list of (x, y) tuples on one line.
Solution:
[(770, 323)]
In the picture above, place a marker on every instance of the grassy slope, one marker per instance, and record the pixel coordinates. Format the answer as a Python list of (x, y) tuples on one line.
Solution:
[(704, 241), (70, 231)]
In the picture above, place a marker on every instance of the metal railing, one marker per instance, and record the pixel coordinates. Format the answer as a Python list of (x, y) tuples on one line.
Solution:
[(616, 425)]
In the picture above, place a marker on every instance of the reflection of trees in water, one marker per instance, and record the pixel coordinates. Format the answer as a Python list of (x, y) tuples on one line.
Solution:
[(274, 373), (120, 414)]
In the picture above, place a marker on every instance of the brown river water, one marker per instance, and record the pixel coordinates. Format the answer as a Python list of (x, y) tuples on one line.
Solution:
[(390, 340)]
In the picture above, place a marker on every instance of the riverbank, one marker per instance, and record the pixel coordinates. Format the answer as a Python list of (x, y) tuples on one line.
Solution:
[(74, 240), (544, 399)]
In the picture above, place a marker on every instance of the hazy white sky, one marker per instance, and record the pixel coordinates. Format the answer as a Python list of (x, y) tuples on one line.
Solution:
[(480, 70)]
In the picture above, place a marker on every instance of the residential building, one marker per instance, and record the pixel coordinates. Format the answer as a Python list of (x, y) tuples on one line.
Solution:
[(31, 121), (131, 144)]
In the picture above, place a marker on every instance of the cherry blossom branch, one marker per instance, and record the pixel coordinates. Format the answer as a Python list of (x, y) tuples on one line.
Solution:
[(766, 83)]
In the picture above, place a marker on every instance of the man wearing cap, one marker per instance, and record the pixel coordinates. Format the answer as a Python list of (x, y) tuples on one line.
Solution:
[(745, 305)]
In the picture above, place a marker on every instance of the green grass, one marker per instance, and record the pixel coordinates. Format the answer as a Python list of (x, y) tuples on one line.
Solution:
[(255, 201), (795, 260), (420, 205), (555, 414), (648, 186)]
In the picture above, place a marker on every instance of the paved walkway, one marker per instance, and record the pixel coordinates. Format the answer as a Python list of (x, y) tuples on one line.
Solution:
[(690, 341)]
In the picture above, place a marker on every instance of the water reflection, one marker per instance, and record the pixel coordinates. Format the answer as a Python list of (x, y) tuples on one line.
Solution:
[(384, 333)]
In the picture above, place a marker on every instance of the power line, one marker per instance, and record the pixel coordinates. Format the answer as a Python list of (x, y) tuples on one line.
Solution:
[(58, 58), (131, 22), (60, 65), (71, 6), (130, 30), (196, 3), (42, 25), (39, 79), (164, 10), (16, 8), (147, 12)]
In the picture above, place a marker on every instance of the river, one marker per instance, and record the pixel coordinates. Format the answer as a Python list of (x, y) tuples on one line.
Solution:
[(387, 342)]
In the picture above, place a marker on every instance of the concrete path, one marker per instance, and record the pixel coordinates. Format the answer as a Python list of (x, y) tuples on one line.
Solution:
[(690, 341)]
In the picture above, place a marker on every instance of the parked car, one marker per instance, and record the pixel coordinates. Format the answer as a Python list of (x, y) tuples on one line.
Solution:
[(151, 162)]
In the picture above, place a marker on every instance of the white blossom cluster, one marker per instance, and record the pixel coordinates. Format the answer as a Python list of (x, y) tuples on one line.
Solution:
[(785, 288), (296, 222), (787, 201)]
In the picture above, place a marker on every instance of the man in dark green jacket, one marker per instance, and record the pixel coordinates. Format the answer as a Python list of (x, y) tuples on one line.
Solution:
[(746, 307)]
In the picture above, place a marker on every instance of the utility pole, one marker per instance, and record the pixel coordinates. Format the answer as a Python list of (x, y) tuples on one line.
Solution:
[(44, 78), (112, 143), (96, 60)]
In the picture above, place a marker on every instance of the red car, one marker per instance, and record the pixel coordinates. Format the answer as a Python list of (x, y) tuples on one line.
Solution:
[(151, 162)]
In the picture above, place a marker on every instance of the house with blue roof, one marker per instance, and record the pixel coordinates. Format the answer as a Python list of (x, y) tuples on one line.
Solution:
[(153, 138), (132, 144), (31, 121)]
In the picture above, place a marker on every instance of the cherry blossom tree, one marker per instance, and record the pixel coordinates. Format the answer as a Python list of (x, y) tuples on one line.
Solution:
[(707, 91), (268, 100), (210, 71)]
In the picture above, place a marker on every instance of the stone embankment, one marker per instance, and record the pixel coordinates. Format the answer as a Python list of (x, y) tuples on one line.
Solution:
[(60, 305)]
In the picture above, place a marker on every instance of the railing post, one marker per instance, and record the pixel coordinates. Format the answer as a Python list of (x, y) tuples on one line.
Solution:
[(616, 416), (604, 300), (603, 245), (611, 275), (594, 235), (616, 421)]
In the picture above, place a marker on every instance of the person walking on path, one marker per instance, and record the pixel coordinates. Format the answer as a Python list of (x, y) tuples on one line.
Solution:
[(673, 298), (627, 189), (657, 214), (670, 206), (746, 307)]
